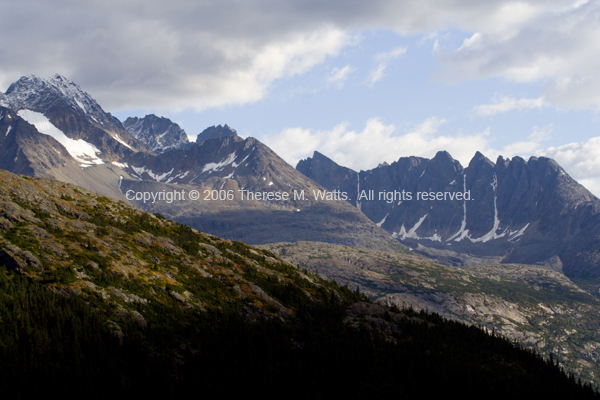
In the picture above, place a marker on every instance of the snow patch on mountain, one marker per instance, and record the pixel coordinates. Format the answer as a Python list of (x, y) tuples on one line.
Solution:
[(216, 167), (382, 221), (412, 233), (462, 232), (120, 165), (434, 238), (357, 191), (491, 234), (79, 149), (235, 165), (160, 177), (156, 177), (118, 139), (513, 235), (80, 104)]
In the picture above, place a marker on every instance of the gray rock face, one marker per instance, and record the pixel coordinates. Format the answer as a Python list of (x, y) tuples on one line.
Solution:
[(214, 132), (24, 150), (510, 211), (160, 133)]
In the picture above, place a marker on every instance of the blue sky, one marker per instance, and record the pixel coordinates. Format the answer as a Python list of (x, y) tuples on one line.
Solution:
[(361, 82)]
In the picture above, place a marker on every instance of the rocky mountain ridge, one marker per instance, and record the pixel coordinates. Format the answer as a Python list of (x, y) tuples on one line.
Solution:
[(31, 92), (54, 129), (509, 211), (233, 178), (73, 112), (84, 145)]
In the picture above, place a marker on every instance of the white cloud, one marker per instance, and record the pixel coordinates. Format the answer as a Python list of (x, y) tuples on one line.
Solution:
[(149, 53), (382, 60), (339, 75), (376, 143), (246, 78), (505, 104), (390, 55), (529, 146), (472, 42), (556, 46), (152, 54), (376, 74)]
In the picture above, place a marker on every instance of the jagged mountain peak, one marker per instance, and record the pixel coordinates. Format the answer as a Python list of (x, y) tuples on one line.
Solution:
[(160, 133), (214, 132), (479, 159), (443, 160), (32, 92), (325, 171), (54, 96), (317, 156), (443, 154)]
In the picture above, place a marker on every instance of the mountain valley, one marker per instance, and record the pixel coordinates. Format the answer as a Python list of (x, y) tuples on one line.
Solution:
[(519, 256), (100, 297)]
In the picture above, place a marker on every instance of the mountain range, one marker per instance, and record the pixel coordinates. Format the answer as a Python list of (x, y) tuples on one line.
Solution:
[(54, 129), (512, 212)]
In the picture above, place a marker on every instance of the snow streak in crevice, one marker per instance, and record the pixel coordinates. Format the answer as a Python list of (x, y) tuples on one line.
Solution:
[(492, 234), (462, 233)]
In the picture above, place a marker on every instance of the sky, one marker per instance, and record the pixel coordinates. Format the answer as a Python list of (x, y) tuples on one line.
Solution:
[(361, 82)]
